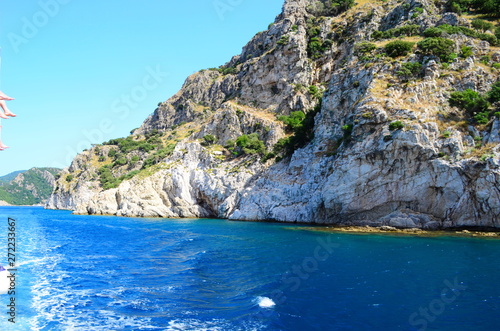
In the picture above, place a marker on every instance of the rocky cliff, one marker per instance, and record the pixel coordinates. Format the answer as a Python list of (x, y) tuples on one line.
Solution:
[(378, 113)]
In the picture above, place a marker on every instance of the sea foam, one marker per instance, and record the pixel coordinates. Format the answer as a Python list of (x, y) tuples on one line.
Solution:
[(4, 282), (265, 302)]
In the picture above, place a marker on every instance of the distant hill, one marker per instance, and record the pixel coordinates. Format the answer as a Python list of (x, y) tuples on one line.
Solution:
[(29, 187), (11, 176)]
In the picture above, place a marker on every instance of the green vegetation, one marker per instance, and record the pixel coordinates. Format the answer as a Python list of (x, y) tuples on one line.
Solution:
[(398, 48), (283, 40), (396, 125), (488, 7), (224, 70), (347, 128), (433, 32), (315, 91), (409, 70), (475, 105), (482, 25), (494, 94), (466, 51), (158, 156), (250, 144), (151, 147), (316, 46), (485, 59), (112, 152), (294, 121), (31, 187), (417, 12), (489, 38), (209, 140), (329, 7), (126, 145), (440, 47), (388, 138), (406, 30), (120, 160), (347, 132), (11, 176), (107, 179), (469, 100), (364, 48), (302, 126), (451, 29)]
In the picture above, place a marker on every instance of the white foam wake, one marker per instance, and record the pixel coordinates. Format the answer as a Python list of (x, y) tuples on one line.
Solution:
[(265, 302), (4, 282)]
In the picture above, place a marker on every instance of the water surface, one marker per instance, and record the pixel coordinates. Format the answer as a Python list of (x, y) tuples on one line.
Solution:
[(113, 273)]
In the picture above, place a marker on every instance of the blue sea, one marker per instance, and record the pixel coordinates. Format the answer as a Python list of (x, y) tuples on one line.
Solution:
[(112, 273)]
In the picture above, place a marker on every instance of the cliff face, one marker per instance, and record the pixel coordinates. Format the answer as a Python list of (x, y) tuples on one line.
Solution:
[(387, 147)]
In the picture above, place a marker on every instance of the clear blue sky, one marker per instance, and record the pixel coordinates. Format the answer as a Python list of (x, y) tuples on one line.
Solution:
[(86, 71)]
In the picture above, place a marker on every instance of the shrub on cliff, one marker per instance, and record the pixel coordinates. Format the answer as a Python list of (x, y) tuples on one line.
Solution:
[(489, 38), (107, 179), (473, 103), (409, 70), (302, 126), (209, 140), (488, 7), (453, 29), (227, 70), (158, 156), (494, 93), (396, 125), (405, 30), (466, 51), (441, 47), (482, 25), (364, 48), (112, 152), (433, 32), (294, 120), (121, 160), (329, 7), (250, 144), (398, 48), (317, 47)]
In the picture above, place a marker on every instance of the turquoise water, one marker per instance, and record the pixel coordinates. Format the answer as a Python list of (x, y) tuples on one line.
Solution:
[(110, 273)]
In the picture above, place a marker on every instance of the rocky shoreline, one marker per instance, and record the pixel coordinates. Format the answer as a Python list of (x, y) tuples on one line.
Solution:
[(389, 230)]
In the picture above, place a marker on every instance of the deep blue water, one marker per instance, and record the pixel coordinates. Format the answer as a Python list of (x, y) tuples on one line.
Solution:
[(110, 273)]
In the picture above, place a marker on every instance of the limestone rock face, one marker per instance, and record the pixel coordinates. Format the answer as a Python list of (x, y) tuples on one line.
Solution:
[(386, 147)]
